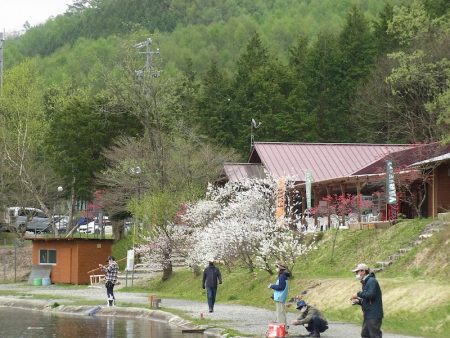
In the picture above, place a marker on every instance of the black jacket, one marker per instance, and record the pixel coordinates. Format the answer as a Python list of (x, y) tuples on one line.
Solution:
[(372, 303), (211, 277)]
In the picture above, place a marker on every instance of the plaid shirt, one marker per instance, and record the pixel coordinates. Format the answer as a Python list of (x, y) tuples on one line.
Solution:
[(111, 272)]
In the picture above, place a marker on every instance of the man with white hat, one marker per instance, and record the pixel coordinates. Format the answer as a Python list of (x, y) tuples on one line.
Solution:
[(371, 302), (211, 278)]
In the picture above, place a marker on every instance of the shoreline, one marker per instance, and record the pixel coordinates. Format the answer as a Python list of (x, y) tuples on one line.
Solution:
[(104, 311)]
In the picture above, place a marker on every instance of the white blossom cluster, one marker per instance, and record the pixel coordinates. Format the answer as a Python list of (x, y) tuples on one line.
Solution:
[(164, 245), (238, 221)]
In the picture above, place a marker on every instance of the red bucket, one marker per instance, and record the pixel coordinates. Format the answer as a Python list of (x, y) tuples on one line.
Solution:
[(276, 330)]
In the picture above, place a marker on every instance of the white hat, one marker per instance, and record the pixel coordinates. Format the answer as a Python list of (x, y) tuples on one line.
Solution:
[(361, 266), (211, 260)]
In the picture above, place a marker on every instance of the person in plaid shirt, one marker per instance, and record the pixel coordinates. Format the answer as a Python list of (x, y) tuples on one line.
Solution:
[(110, 271)]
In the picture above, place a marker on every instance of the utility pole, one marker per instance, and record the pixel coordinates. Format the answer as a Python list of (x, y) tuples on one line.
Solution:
[(145, 77), (149, 67), (2, 42)]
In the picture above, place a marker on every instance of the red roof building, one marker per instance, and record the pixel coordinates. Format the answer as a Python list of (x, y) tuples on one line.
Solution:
[(324, 160), (339, 168)]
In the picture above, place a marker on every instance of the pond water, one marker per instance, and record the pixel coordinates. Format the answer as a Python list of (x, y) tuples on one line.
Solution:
[(17, 323)]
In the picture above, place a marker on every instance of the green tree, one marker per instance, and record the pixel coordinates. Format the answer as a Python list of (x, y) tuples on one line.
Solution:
[(261, 88), (80, 127), (27, 177), (413, 82), (357, 55), (214, 116), (323, 80), (384, 42), (299, 96), (437, 8)]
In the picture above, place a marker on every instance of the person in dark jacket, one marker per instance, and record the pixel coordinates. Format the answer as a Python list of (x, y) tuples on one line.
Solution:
[(280, 293), (211, 278), (314, 321), (371, 302)]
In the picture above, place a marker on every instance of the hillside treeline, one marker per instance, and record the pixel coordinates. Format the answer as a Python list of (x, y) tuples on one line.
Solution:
[(83, 102)]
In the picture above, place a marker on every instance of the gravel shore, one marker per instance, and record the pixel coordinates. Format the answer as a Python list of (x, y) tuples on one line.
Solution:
[(245, 319)]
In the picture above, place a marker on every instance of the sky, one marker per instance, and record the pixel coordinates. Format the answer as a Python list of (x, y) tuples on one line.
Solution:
[(14, 13)]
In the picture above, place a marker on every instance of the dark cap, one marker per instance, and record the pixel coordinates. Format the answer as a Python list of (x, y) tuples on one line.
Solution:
[(301, 304), (110, 258)]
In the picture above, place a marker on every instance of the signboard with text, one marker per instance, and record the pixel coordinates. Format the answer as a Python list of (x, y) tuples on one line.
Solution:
[(391, 196), (308, 182)]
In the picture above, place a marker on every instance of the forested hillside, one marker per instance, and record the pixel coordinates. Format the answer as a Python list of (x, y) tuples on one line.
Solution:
[(88, 95)]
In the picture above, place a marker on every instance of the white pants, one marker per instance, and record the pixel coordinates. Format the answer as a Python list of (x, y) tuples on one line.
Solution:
[(281, 312)]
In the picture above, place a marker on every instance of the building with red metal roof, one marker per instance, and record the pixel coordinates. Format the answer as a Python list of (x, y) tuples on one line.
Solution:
[(324, 160), (341, 168)]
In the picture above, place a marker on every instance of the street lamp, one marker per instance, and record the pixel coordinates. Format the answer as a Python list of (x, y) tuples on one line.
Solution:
[(130, 255), (59, 190), (136, 171)]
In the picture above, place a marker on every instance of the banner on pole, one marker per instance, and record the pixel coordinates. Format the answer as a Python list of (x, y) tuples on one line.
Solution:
[(391, 195), (308, 182), (281, 199)]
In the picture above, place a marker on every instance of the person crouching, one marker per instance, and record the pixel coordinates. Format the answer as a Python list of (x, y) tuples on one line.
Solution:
[(311, 318)]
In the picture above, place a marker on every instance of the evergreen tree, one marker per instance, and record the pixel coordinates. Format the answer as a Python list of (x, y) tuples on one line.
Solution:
[(357, 52), (214, 116), (323, 81), (384, 42), (261, 89), (299, 96)]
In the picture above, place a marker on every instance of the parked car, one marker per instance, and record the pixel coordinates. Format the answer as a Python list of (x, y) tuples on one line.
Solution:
[(93, 227), (61, 222), (29, 219)]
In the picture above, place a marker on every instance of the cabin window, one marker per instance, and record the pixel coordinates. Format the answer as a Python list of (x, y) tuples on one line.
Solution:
[(47, 256)]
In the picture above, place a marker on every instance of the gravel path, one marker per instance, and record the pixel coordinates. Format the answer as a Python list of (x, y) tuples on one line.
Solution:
[(245, 319)]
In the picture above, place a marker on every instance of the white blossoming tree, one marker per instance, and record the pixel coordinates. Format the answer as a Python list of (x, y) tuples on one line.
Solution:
[(238, 221)]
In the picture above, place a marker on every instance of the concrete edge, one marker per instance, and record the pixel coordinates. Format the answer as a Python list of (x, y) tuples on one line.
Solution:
[(125, 312)]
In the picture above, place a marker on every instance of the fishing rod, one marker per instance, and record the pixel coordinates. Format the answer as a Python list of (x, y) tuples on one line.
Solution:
[(102, 265)]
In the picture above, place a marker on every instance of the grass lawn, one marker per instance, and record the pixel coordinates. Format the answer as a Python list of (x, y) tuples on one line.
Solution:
[(416, 292)]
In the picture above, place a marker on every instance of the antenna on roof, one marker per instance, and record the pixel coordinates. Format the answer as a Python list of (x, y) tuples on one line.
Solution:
[(254, 125)]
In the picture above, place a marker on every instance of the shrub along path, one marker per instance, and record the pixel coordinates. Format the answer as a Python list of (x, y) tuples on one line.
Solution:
[(245, 319)]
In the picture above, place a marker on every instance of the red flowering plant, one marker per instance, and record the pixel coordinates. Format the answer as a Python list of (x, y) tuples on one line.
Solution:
[(341, 206)]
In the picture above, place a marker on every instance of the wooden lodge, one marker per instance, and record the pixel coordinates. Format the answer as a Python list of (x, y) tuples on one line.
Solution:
[(422, 174)]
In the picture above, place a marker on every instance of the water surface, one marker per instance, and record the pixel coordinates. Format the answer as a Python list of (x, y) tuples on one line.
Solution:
[(17, 323)]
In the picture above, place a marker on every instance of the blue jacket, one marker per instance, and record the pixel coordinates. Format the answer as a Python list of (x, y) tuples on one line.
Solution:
[(281, 287), (372, 303), (211, 277)]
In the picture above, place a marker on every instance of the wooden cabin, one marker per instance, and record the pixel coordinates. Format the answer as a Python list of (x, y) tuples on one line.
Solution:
[(71, 258)]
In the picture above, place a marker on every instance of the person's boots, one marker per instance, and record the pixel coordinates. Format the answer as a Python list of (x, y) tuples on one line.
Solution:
[(315, 334), (110, 301)]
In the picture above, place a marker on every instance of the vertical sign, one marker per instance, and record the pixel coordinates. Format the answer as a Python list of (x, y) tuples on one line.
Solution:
[(281, 199), (130, 260), (391, 196), (308, 182)]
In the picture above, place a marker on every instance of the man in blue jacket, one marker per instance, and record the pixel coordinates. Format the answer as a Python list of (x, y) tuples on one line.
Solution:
[(211, 278), (371, 302)]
